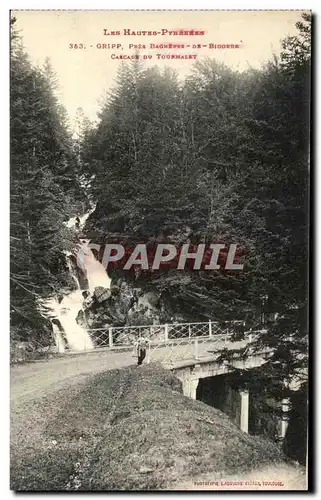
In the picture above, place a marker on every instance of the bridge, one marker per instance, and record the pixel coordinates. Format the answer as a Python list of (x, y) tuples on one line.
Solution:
[(196, 352), (174, 342)]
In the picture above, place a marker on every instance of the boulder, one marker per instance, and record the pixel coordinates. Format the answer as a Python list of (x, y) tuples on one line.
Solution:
[(122, 304), (101, 294), (81, 320)]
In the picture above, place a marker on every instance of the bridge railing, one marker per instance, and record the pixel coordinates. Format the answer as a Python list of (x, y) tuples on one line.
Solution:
[(160, 334), (174, 336)]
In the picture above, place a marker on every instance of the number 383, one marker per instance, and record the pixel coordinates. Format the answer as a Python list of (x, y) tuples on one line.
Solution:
[(76, 46)]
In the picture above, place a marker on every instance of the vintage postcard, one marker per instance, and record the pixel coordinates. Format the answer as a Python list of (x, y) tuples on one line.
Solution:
[(159, 249)]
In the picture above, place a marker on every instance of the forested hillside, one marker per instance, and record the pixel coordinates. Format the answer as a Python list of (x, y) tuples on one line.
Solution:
[(221, 156), (44, 191)]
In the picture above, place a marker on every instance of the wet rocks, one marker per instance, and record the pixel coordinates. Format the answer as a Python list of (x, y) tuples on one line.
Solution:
[(101, 294), (122, 304)]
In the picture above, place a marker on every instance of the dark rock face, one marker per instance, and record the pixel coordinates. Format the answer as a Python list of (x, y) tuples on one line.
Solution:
[(101, 294), (81, 319), (122, 305)]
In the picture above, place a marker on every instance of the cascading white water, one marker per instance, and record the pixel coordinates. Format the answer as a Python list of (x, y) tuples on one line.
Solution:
[(67, 309), (95, 271), (58, 338)]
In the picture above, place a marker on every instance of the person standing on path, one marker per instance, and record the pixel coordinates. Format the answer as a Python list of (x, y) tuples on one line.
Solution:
[(142, 346)]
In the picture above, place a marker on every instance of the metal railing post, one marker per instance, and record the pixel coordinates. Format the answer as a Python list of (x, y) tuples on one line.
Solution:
[(209, 328), (148, 353), (196, 349), (110, 334), (189, 331), (166, 333)]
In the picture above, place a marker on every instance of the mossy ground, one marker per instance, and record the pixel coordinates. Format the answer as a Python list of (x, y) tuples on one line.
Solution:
[(128, 429)]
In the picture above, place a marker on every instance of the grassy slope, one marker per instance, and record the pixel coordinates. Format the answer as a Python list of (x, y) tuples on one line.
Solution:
[(124, 430)]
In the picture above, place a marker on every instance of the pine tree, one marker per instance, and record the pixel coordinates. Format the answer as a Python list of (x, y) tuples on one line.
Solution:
[(43, 180), (210, 160), (273, 212)]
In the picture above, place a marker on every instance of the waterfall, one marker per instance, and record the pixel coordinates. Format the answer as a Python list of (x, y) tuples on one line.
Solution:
[(78, 339), (65, 310), (95, 271), (57, 335)]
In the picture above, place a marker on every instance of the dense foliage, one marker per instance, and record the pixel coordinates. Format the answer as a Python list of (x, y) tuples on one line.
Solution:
[(44, 190), (221, 157)]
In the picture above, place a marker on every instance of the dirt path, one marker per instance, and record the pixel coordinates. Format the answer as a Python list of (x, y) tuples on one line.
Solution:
[(29, 412), (35, 380), (37, 394)]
